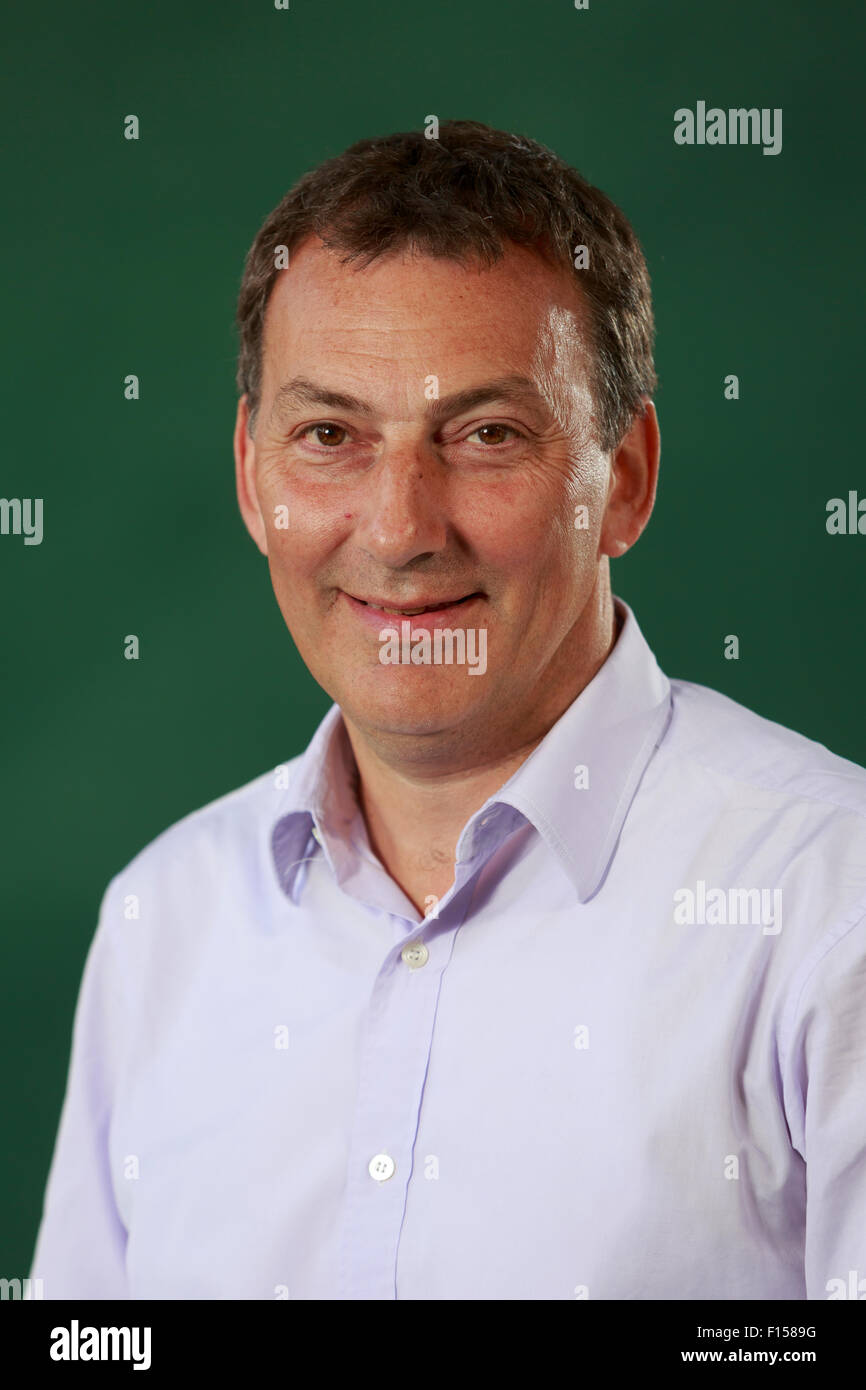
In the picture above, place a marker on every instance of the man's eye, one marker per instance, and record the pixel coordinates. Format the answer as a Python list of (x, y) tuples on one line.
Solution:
[(325, 434), (493, 430), (332, 436)]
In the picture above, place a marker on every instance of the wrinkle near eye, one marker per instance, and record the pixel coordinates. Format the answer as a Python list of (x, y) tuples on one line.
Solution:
[(561, 371)]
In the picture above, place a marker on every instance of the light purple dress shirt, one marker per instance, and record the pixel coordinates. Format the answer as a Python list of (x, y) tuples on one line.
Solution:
[(624, 1057)]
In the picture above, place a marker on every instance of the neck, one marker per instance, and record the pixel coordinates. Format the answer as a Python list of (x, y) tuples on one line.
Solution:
[(416, 802)]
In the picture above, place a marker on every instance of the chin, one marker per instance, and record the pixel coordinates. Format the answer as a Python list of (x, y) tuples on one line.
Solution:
[(411, 706)]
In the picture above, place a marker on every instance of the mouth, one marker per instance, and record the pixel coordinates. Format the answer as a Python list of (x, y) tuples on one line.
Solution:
[(376, 614), (436, 606)]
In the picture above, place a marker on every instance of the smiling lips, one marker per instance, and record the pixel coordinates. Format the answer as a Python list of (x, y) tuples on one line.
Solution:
[(413, 612)]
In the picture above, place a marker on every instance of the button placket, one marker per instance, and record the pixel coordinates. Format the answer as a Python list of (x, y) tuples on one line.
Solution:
[(393, 1065)]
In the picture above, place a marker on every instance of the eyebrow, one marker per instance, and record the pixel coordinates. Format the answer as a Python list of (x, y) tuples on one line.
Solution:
[(300, 391)]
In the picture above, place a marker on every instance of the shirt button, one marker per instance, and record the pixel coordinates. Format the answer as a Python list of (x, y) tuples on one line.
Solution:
[(316, 836), (381, 1167), (415, 955)]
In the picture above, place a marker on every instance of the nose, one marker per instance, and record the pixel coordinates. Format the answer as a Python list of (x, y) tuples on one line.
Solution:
[(404, 510)]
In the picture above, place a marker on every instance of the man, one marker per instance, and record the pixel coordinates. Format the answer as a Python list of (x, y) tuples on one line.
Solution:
[(537, 975)]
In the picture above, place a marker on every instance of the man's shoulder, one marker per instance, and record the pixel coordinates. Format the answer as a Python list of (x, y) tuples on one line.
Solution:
[(724, 737), (218, 834)]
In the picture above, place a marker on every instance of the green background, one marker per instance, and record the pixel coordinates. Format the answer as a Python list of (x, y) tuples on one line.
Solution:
[(126, 257)]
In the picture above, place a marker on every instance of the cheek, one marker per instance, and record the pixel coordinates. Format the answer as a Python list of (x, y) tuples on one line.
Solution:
[(531, 529), (301, 532), (506, 519)]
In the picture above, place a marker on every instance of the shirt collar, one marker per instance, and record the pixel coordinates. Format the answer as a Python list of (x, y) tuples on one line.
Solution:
[(320, 797), (575, 788)]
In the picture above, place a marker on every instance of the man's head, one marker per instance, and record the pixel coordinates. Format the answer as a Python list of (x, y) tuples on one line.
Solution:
[(438, 405)]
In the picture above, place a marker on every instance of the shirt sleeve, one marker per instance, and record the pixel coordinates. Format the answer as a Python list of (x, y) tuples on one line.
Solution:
[(826, 1085), (81, 1242)]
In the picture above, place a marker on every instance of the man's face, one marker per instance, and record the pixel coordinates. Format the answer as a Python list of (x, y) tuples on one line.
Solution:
[(425, 437)]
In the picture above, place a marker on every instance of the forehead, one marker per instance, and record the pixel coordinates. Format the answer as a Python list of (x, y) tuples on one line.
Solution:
[(410, 313)]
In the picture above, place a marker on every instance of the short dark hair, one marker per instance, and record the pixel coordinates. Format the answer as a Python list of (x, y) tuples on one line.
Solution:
[(462, 196)]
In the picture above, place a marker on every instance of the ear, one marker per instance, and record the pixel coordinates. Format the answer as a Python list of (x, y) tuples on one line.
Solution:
[(633, 482), (245, 477)]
